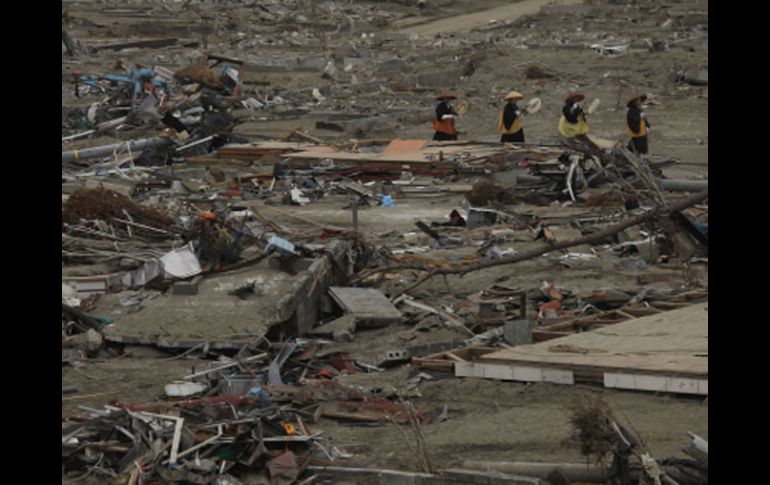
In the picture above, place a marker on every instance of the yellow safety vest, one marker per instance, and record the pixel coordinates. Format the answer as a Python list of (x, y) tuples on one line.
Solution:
[(515, 126), (642, 130), (571, 130)]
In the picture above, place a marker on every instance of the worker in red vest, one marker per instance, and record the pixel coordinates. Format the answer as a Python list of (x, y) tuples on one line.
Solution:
[(444, 122), (637, 125)]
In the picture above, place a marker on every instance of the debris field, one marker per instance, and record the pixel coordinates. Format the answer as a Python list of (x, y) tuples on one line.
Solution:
[(272, 273)]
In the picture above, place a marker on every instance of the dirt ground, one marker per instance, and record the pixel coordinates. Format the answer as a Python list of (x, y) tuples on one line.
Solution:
[(497, 421), (488, 420)]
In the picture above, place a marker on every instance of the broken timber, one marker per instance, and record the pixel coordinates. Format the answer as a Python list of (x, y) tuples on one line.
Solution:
[(527, 255)]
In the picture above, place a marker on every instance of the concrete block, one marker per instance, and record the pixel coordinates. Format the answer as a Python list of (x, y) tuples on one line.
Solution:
[(186, 287), (518, 332), (393, 357)]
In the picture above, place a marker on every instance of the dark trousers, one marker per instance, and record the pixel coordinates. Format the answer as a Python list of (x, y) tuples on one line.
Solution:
[(513, 137), (638, 145), (441, 136)]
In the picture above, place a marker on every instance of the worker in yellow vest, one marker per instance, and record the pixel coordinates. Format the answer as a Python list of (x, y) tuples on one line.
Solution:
[(573, 119), (637, 125), (444, 121), (509, 124)]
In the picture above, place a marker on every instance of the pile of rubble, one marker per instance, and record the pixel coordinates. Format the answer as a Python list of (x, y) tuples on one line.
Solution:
[(244, 415)]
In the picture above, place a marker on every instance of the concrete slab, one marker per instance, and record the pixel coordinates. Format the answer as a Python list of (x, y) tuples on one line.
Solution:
[(215, 314), (365, 304), (218, 316)]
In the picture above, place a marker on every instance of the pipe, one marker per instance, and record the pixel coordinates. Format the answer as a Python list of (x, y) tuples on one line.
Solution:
[(105, 150), (683, 185)]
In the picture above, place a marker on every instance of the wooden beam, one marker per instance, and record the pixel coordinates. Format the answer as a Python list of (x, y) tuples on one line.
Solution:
[(531, 254)]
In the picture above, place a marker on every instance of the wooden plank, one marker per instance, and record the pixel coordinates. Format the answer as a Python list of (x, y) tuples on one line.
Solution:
[(662, 364), (397, 145), (433, 364), (343, 156), (641, 382), (667, 305), (260, 149), (543, 335), (365, 303), (145, 44), (582, 322), (443, 361), (454, 357), (640, 311), (427, 155), (508, 372), (473, 353)]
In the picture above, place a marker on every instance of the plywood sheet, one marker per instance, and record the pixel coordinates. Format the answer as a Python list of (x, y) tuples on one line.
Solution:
[(669, 343), (397, 145)]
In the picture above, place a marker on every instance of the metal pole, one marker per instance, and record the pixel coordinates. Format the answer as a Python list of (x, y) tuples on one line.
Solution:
[(682, 185), (105, 150)]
